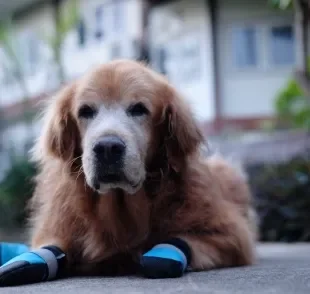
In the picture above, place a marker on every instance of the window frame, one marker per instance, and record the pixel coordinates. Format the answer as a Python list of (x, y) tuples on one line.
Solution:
[(270, 61), (264, 57), (99, 26)]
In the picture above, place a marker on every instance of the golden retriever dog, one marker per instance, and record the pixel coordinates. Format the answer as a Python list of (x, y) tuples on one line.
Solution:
[(121, 170)]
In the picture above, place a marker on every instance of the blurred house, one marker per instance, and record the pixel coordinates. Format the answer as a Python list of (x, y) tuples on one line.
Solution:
[(228, 58)]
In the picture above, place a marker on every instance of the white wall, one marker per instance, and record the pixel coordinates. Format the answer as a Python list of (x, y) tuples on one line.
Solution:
[(249, 92), (183, 28)]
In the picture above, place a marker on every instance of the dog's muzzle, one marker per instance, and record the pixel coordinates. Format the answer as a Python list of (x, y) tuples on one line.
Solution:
[(109, 159)]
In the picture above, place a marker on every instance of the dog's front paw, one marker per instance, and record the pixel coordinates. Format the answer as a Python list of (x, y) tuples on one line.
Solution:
[(32, 267), (11, 250), (166, 260)]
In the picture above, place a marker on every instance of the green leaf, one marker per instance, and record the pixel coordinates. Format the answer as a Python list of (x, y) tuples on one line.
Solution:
[(69, 17), (293, 106), (15, 191), (281, 4)]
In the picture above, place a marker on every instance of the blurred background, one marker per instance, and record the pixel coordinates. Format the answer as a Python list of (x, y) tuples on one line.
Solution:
[(241, 64)]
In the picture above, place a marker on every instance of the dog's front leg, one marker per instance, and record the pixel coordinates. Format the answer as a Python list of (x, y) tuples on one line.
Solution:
[(168, 259), (45, 260), (201, 250), (37, 265)]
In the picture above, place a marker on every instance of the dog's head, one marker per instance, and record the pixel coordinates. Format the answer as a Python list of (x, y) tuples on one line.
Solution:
[(115, 121)]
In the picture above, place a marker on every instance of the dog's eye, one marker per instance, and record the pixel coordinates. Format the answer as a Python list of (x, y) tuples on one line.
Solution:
[(86, 111), (137, 109)]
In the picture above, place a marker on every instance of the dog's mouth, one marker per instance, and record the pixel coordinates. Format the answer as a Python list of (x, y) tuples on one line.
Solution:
[(111, 178), (115, 180)]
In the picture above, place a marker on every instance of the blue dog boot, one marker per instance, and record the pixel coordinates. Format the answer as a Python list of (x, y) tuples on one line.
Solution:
[(166, 260), (34, 266), (11, 250)]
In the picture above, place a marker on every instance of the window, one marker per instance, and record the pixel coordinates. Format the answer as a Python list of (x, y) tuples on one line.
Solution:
[(281, 45), (118, 16), (262, 46), (136, 49), (140, 50), (99, 23), (244, 43), (81, 30), (162, 59)]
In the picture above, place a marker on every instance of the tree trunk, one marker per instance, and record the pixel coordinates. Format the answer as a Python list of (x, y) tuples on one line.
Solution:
[(302, 17), (302, 32)]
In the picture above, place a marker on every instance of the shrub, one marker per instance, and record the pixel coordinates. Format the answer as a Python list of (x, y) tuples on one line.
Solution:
[(15, 190), (293, 107), (282, 196)]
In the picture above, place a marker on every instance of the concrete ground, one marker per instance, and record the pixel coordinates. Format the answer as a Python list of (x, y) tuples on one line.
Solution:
[(283, 269)]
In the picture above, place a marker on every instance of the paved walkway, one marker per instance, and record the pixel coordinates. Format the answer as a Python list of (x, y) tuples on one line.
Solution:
[(283, 269)]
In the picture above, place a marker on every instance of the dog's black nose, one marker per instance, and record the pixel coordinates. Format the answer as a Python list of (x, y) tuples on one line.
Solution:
[(110, 149)]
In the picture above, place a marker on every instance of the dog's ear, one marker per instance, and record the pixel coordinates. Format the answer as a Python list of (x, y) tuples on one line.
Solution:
[(61, 136), (183, 134)]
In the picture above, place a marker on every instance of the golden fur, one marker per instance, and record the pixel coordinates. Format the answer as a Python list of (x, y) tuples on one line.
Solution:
[(205, 201)]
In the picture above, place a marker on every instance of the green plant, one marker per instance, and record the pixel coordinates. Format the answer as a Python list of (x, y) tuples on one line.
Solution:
[(292, 106), (281, 4), (282, 196), (15, 190)]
